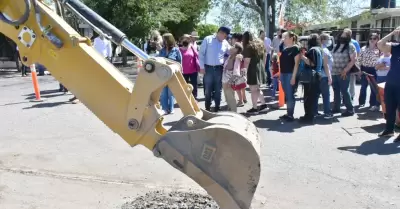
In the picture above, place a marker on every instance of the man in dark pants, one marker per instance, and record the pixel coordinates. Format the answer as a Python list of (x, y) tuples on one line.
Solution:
[(213, 51), (392, 86)]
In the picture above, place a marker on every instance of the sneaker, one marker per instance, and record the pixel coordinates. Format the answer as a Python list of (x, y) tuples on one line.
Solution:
[(327, 116), (386, 133), (374, 109), (347, 114), (245, 101), (252, 111), (263, 107), (240, 104)]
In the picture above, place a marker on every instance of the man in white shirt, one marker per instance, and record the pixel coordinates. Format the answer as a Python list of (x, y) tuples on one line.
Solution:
[(103, 46), (277, 41), (268, 49)]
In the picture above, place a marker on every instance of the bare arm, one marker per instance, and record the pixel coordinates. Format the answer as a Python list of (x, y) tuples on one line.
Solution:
[(383, 44), (296, 65)]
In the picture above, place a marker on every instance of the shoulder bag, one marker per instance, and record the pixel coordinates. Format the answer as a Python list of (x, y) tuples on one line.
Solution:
[(196, 59), (308, 74)]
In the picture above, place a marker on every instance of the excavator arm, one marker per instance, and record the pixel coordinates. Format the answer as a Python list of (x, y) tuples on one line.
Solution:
[(218, 151)]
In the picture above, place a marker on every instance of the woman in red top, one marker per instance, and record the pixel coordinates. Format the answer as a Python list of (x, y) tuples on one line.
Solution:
[(190, 63)]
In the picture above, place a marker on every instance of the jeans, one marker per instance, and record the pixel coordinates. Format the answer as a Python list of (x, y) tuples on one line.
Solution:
[(392, 102), (341, 87), (380, 79), (275, 84), (289, 94), (324, 90), (192, 79), (364, 86), (167, 100), (213, 85), (267, 65)]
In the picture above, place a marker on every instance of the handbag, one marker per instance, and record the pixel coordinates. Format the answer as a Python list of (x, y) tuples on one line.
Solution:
[(196, 59)]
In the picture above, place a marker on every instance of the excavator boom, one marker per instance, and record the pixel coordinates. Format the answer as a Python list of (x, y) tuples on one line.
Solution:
[(218, 151)]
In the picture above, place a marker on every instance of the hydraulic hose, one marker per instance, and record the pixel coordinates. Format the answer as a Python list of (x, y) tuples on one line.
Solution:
[(117, 36), (21, 20)]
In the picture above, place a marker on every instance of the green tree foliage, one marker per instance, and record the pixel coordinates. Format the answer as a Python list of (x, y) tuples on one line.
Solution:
[(193, 11), (250, 13), (206, 29), (137, 18)]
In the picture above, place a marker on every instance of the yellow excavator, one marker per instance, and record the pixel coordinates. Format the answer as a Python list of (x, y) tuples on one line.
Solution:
[(219, 151)]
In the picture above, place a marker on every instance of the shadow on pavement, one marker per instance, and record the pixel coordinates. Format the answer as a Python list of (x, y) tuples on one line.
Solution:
[(45, 96), (44, 92), (376, 146), (279, 125), (374, 129), (46, 105)]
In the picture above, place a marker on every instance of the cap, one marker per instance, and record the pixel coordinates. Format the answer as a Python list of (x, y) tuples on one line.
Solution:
[(225, 29), (194, 34)]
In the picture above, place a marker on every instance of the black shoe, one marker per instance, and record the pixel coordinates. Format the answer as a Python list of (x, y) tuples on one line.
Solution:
[(361, 105), (386, 133), (347, 114), (286, 118), (263, 107), (252, 111), (335, 111), (397, 140)]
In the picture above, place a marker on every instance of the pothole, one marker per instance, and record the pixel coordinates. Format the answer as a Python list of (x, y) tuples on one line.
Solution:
[(172, 200)]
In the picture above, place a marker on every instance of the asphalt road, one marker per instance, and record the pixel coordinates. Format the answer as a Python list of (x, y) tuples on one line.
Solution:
[(56, 155)]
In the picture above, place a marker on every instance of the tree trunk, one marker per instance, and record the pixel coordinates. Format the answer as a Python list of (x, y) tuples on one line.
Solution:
[(272, 28)]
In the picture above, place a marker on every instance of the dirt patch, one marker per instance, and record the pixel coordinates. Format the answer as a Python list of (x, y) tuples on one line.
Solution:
[(172, 200)]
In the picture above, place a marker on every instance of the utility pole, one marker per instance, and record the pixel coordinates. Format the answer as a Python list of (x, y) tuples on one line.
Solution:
[(266, 18)]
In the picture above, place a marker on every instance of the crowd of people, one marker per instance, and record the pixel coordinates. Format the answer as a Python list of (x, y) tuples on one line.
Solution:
[(230, 63)]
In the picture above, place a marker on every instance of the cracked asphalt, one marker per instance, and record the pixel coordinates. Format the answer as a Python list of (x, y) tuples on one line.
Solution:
[(56, 155)]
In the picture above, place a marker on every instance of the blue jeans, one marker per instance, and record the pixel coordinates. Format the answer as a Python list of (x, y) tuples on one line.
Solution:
[(289, 93), (341, 87), (167, 100), (267, 65), (324, 90), (275, 84), (364, 86), (213, 83)]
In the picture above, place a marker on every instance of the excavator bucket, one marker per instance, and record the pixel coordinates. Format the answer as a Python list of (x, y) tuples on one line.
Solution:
[(221, 152)]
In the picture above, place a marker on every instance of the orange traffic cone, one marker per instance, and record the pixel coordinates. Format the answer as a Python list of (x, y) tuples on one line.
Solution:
[(35, 84), (281, 101)]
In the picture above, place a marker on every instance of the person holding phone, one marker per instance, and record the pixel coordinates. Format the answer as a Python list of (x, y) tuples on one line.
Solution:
[(392, 86)]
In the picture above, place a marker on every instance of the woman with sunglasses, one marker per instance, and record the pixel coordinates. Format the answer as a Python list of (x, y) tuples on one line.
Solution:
[(367, 60)]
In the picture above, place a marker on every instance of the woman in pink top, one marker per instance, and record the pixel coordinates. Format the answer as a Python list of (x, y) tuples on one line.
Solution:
[(190, 63)]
